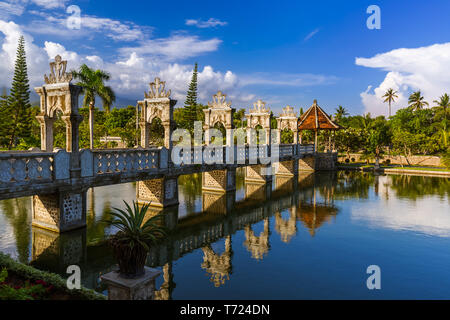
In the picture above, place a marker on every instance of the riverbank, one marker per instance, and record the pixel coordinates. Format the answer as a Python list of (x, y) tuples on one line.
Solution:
[(23, 282), (412, 170)]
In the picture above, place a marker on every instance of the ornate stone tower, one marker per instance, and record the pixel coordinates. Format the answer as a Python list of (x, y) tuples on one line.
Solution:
[(59, 95), (219, 111), (157, 104)]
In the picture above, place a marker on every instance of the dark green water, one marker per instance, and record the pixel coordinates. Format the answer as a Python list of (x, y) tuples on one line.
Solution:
[(312, 238)]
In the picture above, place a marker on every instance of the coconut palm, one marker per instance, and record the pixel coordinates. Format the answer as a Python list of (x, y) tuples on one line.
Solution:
[(444, 103), (390, 97), (341, 112), (92, 82), (416, 101)]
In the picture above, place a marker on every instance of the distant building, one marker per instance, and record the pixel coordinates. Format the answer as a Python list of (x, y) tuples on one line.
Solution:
[(117, 142)]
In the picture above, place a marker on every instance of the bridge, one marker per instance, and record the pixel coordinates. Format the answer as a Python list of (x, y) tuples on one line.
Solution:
[(58, 179)]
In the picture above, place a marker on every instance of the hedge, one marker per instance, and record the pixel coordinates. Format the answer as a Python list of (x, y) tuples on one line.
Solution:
[(29, 273)]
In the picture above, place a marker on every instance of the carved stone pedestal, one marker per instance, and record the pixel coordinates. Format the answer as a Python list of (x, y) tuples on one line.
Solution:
[(60, 212), (142, 288), (159, 192)]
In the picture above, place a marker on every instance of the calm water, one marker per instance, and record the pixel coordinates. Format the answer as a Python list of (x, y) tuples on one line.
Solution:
[(308, 239)]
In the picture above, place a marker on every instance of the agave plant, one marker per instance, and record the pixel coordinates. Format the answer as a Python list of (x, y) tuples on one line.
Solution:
[(132, 242)]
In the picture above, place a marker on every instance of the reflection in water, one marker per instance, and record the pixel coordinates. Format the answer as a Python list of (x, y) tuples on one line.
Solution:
[(16, 212), (258, 246), (218, 266), (418, 204)]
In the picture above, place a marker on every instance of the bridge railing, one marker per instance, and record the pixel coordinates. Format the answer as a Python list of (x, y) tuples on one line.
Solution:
[(306, 149), (33, 167), (117, 161)]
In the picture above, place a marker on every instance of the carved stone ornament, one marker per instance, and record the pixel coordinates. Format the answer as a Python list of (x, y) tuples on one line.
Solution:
[(157, 90), (219, 101), (259, 107), (58, 72)]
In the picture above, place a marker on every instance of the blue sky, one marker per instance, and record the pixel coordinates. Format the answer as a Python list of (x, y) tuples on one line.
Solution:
[(283, 52)]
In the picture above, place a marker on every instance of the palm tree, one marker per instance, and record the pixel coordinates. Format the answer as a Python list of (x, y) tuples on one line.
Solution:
[(416, 101), (390, 96), (92, 82), (444, 103), (341, 112)]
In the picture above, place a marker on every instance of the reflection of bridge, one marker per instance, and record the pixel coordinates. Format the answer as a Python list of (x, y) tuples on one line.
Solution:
[(201, 230), (58, 180)]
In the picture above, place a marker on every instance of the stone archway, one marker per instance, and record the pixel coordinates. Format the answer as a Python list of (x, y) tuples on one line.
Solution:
[(288, 120), (259, 116), (157, 104), (219, 111), (59, 95)]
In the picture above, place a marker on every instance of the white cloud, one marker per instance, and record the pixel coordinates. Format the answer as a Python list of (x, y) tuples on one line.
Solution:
[(210, 23), (424, 68), (11, 8), (311, 34), (176, 47), (284, 79), (50, 4), (114, 29)]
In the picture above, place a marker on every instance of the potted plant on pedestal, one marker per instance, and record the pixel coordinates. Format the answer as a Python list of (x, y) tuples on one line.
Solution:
[(131, 244)]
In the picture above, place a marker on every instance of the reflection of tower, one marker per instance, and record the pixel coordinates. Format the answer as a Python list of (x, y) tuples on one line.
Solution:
[(165, 292), (218, 266), (287, 229), (258, 246)]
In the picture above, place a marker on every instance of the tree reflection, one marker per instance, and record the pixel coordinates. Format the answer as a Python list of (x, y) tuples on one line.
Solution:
[(18, 214)]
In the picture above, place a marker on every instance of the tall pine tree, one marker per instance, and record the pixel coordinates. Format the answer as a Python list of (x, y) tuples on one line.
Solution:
[(190, 106), (19, 122), (4, 119)]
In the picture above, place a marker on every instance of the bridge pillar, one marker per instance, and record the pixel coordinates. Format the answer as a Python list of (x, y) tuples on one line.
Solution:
[(258, 191), (161, 192), (219, 180), (258, 173), (285, 183), (218, 203), (308, 163), (55, 252), (60, 212), (287, 168)]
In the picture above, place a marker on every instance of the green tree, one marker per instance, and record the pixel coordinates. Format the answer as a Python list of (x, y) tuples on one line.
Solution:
[(416, 101), (190, 106), (93, 84), (442, 104), (390, 97), (18, 121), (4, 124), (341, 112)]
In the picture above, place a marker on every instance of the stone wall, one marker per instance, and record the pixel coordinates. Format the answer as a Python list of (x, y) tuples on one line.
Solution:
[(413, 160)]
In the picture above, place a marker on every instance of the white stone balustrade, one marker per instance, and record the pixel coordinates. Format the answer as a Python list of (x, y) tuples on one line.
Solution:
[(32, 167), (103, 162)]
